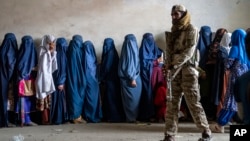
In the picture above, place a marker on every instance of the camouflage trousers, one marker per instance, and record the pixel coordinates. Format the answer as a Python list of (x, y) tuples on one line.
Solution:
[(185, 84)]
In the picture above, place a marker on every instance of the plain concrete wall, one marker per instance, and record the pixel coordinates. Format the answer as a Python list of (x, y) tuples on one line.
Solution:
[(96, 20)]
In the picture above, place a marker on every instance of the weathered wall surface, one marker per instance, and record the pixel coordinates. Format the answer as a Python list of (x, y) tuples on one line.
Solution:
[(97, 19)]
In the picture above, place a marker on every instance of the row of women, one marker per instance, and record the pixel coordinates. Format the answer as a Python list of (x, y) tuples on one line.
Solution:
[(226, 64), (69, 84)]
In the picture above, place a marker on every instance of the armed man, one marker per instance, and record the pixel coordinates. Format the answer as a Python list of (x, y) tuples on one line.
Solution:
[(182, 60)]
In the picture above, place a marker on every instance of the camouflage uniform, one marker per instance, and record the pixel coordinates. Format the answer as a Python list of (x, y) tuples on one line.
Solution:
[(181, 52)]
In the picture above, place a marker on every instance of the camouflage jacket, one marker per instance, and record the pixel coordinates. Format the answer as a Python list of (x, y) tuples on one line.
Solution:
[(181, 50)]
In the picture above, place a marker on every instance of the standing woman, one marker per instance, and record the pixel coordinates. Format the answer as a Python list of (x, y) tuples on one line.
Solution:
[(220, 77), (243, 88), (47, 64), (112, 102), (148, 53), (237, 64), (58, 99), (214, 72), (129, 73), (205, 40), (8, 52), (159, 88), (26, 63), (75, 80), (92, 100)]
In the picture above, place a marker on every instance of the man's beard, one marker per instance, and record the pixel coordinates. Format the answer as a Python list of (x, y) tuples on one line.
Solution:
[(175, 21)]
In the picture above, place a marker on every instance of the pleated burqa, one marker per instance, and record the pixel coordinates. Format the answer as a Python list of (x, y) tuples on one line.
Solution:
[(26, 61), (75, 79), (92, 101), (129, 70), (112, 102), (148, 52), (205, 40), (58, 98), (8, 53)]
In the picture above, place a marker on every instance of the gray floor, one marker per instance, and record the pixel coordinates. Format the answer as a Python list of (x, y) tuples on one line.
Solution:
[(104, 132)]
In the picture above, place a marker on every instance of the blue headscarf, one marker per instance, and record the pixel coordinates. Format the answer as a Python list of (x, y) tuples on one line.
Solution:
[(238, 50)]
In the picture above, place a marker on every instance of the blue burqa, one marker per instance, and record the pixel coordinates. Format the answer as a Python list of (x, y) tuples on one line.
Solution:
[(129, 70), (92, 101), (148, 52), (8, 53), (112, 102), (203, 45), (205, 40), (58, 110), (26, 61), (27, 57), (75, 79)]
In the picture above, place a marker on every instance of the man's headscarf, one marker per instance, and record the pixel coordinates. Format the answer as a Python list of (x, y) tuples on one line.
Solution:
[(182, 23), (179, 8)]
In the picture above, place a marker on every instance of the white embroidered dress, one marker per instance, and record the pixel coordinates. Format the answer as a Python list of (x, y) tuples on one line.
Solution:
[(47, 64)]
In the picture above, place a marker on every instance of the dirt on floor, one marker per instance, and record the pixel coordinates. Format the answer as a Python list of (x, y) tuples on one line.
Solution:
[(103, 132)]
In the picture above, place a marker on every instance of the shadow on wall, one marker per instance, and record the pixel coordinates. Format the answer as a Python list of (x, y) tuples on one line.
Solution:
[(160, 40)]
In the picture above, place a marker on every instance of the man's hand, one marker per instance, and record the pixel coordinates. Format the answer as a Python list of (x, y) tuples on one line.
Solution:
[(165, 69), (203, 75)]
